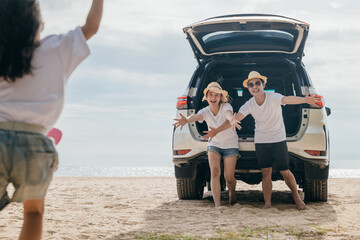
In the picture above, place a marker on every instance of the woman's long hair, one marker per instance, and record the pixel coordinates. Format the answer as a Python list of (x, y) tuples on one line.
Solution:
[(19, 23)]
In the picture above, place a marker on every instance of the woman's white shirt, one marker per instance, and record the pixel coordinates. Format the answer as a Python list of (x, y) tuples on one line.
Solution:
[(225, 139)]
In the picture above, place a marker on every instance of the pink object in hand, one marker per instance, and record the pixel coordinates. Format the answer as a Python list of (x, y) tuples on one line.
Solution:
[(55, 134)]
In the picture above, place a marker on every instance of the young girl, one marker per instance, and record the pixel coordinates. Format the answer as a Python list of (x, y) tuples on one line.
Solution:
[(33, 77), (223, 145)]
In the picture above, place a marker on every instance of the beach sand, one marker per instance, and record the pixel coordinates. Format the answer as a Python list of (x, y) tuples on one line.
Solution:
[(148, 208)]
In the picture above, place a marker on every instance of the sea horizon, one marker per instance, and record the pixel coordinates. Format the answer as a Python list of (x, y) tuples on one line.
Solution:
[(82, 171)]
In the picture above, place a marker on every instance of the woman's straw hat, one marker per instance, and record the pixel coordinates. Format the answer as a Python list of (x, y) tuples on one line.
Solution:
[(214, 86), (252, 75)]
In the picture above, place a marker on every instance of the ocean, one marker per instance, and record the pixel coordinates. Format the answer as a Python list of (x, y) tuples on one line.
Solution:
[(80, 171)]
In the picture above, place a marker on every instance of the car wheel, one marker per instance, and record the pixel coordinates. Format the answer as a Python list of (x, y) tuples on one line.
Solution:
[(189, 188), (222, 183), (316, 190)]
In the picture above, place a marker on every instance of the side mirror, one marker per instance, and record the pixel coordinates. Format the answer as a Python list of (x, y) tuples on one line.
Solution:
[(328, 111)]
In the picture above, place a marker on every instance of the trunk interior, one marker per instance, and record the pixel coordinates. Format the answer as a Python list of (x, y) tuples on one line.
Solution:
[(282, 78)]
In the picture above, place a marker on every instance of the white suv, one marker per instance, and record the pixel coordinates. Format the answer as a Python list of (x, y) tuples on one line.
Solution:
[(227, 48)]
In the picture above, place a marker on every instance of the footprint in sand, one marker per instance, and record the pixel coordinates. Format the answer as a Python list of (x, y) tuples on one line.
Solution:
[(249, 210)]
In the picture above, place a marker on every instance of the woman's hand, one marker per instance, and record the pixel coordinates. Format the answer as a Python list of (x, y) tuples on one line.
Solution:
[(180, 121), (235, 123), (210, 134)]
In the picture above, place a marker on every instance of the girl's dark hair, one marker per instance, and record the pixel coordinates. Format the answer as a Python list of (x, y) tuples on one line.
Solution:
[(19, 23)]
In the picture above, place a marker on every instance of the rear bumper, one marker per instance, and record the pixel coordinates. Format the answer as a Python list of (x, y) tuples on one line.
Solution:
[(320, 162), (196, 158), (302, 168)]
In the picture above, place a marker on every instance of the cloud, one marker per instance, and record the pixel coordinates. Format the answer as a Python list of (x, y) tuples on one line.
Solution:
[(335, 5), (152, 112)]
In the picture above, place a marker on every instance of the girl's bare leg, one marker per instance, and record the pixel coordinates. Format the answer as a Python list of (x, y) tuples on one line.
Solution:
[(33, 217)]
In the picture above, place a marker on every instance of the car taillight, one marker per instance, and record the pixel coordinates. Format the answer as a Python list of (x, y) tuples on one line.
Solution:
[(182, 103), (320, 104), (313, 152), (182, 152)]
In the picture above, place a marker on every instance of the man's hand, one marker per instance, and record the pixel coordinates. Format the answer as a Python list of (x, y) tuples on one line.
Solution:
[(180, 121), (235, 123), (210, 134), (312, 100)]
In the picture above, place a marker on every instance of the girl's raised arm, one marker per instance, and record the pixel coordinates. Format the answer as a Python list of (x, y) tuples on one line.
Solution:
[(93, 19)]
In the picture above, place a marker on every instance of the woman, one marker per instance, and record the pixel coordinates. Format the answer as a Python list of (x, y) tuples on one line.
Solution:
[(223, 145)]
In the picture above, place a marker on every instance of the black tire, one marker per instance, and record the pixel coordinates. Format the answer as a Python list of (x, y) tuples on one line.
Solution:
[(222, 183), (316, 190), (189, 188)]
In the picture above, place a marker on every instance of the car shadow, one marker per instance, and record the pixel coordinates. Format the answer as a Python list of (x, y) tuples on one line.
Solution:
[(245, 219)]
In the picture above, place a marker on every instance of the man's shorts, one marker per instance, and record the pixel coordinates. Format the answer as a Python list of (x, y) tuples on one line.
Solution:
[(27, 160), (267, 153), (224, 152)]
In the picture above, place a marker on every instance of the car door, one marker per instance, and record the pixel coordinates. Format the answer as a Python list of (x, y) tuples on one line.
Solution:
[(247, 34)]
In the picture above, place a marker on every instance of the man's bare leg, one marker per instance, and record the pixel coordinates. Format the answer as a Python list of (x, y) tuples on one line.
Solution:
[(267, 186), (291, 183), (215, 169), (33, 217), (229, 169)]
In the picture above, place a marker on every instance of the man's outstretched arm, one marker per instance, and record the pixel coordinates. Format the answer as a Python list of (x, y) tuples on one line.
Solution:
[(299, 100)]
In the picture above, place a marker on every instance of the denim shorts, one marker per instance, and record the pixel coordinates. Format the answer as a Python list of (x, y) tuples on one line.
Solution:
[(224, 152), (27, 160)]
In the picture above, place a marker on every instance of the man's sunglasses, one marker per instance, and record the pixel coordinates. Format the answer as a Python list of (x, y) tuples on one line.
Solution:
[(251, 85)]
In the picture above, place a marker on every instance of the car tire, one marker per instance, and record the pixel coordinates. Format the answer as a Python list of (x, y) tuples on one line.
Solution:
[(189, 188), (316, 190), (222, 183)]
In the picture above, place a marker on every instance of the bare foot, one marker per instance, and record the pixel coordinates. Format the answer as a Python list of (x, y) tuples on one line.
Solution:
[(267, 206), (232, 197), (300, 205)]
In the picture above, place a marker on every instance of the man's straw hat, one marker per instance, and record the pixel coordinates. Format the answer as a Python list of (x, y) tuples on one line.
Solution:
[(252, 75)]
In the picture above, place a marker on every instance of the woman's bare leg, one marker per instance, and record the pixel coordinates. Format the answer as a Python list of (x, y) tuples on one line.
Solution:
[(215, 169), (229, 170)]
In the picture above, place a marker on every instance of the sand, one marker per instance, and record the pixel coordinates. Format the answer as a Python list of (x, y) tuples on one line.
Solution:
[(148, 208)]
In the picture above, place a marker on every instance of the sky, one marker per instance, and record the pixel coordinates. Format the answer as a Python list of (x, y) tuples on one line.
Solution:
[(121, 100)]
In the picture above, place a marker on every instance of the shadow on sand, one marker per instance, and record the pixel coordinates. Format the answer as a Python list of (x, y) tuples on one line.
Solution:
[(198, 219)]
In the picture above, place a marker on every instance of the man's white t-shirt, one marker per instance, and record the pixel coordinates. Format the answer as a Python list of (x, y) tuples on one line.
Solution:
[(225, 139), (38, 98), (269, 123)]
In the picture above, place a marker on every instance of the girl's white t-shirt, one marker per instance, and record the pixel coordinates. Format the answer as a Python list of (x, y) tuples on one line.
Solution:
[(225, 139), (38, 98), (269, 123)]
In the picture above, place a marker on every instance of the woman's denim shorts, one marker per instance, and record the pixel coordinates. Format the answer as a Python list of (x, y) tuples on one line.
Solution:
[(224, 152), (27, 160)]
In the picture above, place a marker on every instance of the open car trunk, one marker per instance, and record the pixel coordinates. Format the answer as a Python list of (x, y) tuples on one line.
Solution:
[(282, 78)]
